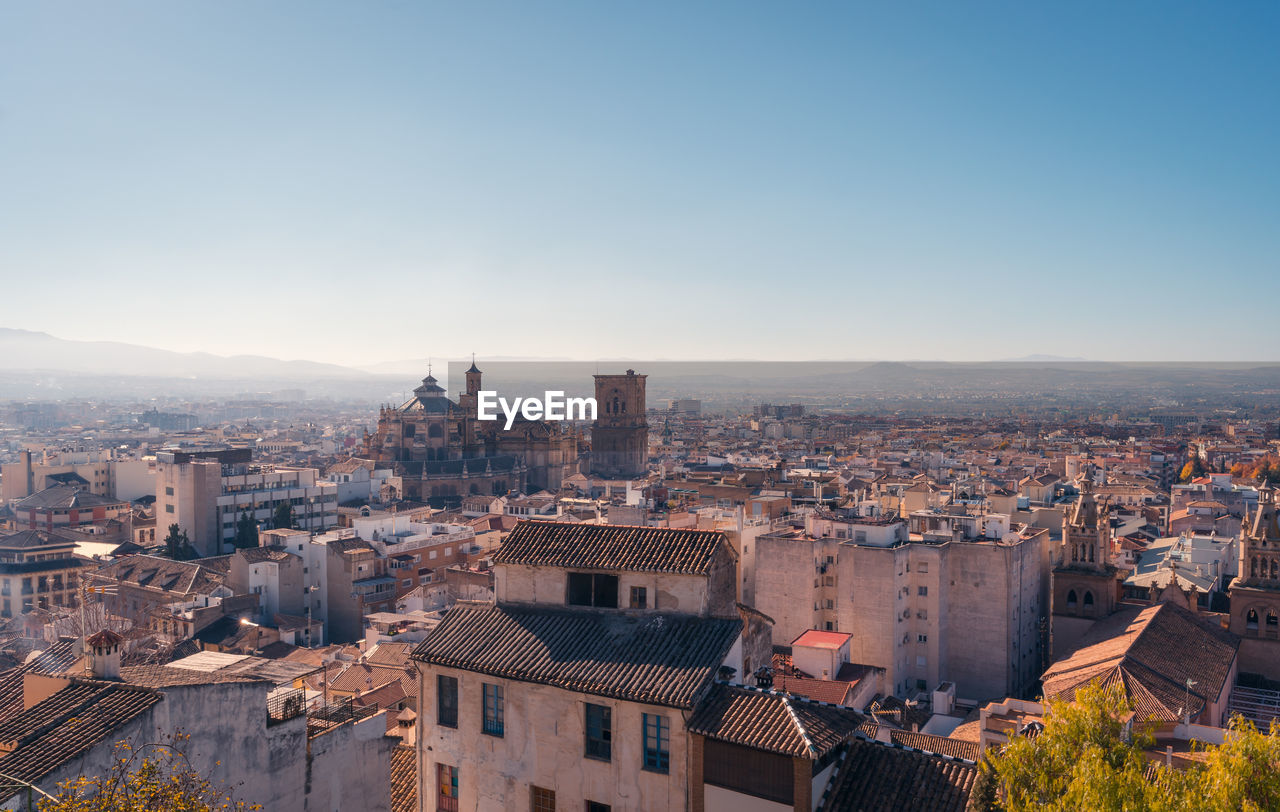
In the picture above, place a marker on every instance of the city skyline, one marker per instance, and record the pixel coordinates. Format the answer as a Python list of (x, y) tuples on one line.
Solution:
[(940, 183)]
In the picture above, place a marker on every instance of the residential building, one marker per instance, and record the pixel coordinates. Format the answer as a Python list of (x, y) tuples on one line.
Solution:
[(38, 570), (246, 730), (67, 506), (963, 600), (572, 689), (206, 492)]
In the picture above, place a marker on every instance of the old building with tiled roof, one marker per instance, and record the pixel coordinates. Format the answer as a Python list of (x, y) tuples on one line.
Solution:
[(875, 776), (68, 723), (749, 744), (574, 685), (1151, 653)]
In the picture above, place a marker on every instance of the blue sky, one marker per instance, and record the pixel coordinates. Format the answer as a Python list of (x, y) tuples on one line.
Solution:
[(363, 182)]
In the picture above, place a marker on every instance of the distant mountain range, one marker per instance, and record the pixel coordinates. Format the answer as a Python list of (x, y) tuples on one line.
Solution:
[(28, 351)]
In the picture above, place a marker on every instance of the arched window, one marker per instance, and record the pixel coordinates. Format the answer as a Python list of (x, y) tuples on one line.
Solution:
[(1251, 620), (616, 405), (1088, 601), (1090, 553), (1273, 623), (1071, 599), (1275, 568), (1253, 567), (1075, 552)]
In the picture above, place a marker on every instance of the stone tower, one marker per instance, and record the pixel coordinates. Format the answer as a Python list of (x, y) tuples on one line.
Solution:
[(1255, 592), (1084, 579), (620, 435)]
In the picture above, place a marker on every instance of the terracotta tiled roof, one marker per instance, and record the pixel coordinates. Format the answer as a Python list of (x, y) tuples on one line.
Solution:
[(610, 547), (660, 659), (1151, 652), (404, 779), (768, 720), (361, 677), (154, 572), (66, 725), (822, 690), (940, 745), (874, 776), (54, 660), (390, 654)]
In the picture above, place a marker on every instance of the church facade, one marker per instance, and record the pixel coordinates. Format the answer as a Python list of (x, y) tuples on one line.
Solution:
[(1086, 585), (442, 452), (1255, 592)]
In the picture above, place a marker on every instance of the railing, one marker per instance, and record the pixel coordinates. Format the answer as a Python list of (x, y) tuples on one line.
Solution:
[(323, 717), (286, 705)]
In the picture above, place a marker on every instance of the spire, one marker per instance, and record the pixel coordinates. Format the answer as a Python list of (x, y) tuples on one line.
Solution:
[(474, 370)]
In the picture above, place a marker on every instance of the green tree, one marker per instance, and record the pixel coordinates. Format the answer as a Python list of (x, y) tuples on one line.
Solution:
[(282, 517), (177, 545), (246, 531), (152, 777), (1082, 760)]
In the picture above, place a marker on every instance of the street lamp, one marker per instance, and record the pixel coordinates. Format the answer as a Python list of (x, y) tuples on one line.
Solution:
[(257, 641)]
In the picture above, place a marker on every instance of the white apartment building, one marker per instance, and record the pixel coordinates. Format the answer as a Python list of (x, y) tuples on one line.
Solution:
[(206, 492)]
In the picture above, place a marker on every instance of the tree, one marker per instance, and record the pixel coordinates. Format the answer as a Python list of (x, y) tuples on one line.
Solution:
[(177, 545), (282, 518), (151, 777), (246, 531), (1083, 760)]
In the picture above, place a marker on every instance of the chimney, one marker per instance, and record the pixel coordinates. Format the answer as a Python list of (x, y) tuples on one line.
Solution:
[(104, 651)]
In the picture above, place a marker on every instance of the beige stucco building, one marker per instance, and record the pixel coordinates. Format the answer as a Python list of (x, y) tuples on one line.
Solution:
[(572, 689)]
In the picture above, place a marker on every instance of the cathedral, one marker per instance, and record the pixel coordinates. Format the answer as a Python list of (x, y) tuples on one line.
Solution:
[(442, 452)]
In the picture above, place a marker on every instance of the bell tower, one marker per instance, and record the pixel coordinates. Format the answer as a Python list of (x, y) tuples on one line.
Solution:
[(620, 434), (1084, 579), (1255, 591)]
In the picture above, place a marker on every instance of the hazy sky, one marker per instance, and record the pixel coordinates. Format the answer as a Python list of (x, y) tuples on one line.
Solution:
[(356, 182)]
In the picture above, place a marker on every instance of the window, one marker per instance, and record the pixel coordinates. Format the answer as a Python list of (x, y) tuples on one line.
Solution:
[(447, 778), (1071, 599), (593, 589), (639, 597), (446, 701), (749, 772), (544, 800), (493, 709), (922, 638), (921, 662), (596, 806), (923, 566), (599, 732), (831, 604), (1088, 600), (1251, 620), (168, 490), (657, 742), (922, 591), (168, 508)]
